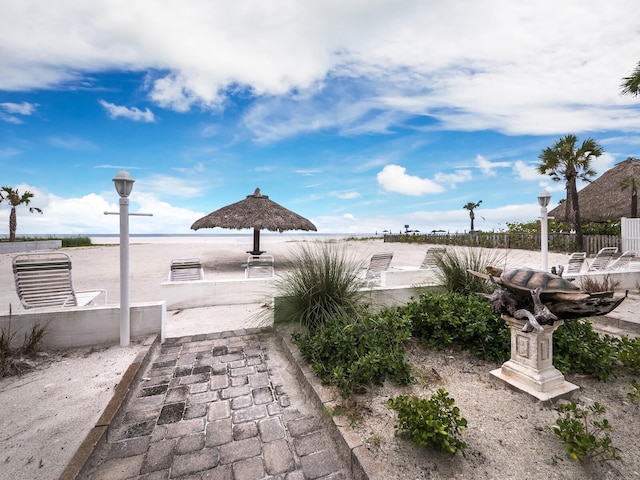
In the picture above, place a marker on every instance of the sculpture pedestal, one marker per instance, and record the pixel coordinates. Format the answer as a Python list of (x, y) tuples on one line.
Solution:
[(530, 369)]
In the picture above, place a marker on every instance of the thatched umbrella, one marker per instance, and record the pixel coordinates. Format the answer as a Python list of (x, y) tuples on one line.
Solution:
[(257, 212), (604, 199)]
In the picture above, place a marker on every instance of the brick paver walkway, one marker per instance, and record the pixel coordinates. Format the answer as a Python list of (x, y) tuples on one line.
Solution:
[(218, 406)]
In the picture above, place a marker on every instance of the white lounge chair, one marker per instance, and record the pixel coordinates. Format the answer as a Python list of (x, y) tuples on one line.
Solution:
[(44, 280), (602, 259), (186, 269), (379, 263), (430, 257), (259, 266), (622, 262), (575, 263)]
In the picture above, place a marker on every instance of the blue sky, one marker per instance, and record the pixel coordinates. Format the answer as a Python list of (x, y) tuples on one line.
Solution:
[(359, 115)]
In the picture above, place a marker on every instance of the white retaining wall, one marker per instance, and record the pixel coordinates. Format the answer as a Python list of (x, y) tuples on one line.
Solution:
[(84, 326), (207, 293), (13, 247)]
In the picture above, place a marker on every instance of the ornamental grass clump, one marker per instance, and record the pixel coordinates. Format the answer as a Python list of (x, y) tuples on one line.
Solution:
[(323, 282), (453, 267)]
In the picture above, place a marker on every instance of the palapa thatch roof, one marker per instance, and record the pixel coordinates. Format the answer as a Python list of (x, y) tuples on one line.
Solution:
[(603, 199), (257, 212)]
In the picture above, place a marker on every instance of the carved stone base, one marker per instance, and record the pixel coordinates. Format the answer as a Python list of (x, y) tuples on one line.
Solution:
[(530, 369)]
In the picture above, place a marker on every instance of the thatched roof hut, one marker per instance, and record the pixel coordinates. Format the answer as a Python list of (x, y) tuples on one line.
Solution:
[(603, 199), (257, 212)]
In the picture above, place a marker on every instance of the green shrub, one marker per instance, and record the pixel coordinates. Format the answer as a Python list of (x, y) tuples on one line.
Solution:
[(323, 282), (583, 438), (629, 354), (454, 265), (352, 351), (445, 319), (76, 242), (434, 422), (578, 348)]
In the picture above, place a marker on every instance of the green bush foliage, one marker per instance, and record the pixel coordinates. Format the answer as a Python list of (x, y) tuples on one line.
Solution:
[(585, 438), (76, 242), (352, 351), (323, 282), (434, 422), (578, 348), (66, 241), (445, 319), (629, 354)]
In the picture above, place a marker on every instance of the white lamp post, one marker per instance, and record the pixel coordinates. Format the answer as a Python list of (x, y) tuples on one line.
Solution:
[(543, 200), (124, 184)]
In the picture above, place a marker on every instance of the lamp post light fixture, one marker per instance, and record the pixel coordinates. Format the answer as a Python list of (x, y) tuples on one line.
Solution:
[(123, 182), (543, 200)]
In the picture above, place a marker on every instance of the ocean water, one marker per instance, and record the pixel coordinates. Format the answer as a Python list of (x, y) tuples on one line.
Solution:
[(223, 239)]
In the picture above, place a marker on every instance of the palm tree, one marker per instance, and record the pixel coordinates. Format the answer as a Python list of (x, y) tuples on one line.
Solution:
[(471, 206), (631, 84), (631, 183), (567, 161), (15, 199)]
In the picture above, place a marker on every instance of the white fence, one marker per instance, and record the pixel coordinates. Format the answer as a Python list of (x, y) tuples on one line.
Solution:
[(630, 234)]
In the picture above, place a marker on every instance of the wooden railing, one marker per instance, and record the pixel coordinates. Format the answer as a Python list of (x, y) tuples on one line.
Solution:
[(558, 242)]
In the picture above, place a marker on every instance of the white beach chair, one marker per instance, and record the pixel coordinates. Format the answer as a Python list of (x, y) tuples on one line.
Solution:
[(44, 280), (430, 257), (259, 266), (379, 263), (602, 259), (622, 262), (186, 269), (575, 263)]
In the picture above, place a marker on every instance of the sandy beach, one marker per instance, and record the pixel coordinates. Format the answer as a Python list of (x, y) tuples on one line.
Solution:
[(150, 258), (45, 414)]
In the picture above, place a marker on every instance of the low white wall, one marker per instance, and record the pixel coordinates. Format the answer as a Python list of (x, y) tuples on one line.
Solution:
[(13, 247), (206, 293), (83, 326), (626, 279), (397, 277), (377, 297)]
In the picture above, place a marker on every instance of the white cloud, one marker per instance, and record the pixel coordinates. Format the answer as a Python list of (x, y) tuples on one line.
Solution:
[(85, 215), (488, 168), (514, 67), (9, 110), (24, 108), (345, 195), (308, 172), (452, 179), (133, 113), (7, 152), (174, 186), (526, 171), (394, 178), (71, 143)]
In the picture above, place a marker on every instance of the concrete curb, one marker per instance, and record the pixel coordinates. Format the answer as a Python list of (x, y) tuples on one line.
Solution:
[(350, 446), (97, 435)]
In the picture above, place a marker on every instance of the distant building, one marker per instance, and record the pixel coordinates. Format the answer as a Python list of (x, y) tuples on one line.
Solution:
[(603, 199)]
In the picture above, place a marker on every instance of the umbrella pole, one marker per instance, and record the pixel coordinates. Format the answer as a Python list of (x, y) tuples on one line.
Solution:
[(256, 242)]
